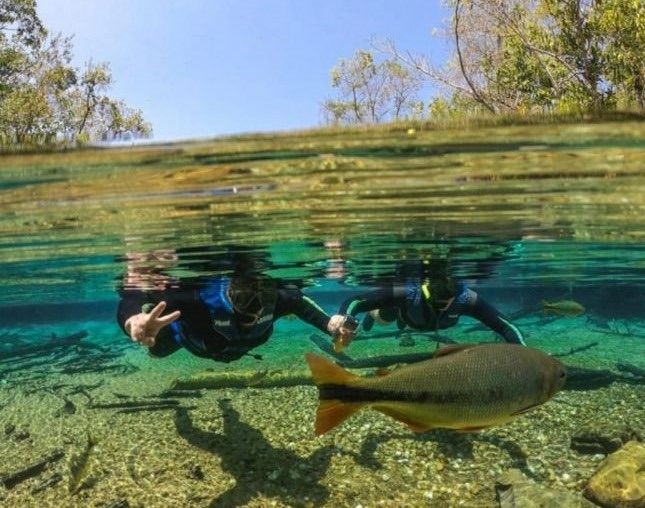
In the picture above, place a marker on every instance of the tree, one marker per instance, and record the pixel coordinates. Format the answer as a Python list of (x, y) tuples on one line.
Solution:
[(621, 24), (43, 98), (545, 55), (370, 91)]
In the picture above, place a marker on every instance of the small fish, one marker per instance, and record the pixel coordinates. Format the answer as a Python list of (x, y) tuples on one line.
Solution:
[(563, 308), (463, 387), (80, 466)]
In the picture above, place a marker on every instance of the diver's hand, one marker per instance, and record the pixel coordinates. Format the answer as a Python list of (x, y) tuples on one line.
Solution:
[(343, 330), (143, 328)]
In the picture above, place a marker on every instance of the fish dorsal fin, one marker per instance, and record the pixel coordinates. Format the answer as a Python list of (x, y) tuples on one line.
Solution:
[(453, 348)]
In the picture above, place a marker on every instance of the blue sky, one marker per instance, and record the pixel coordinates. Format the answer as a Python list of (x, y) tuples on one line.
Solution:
[(200, 68)]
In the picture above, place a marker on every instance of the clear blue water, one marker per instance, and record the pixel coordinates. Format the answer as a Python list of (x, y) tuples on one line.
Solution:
[(561, 223)]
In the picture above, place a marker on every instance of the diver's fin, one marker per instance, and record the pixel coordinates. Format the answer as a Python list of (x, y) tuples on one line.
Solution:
[(325, 372), (413, 425), (451, 349), (332, 413)]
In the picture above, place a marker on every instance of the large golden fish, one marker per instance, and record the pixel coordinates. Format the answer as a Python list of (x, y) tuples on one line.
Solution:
[(463, 387), (563, 307)]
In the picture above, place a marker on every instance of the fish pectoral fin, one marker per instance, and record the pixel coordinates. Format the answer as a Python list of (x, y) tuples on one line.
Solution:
[(525, 410), (332, 413), (473, 429), (413, 425), (418, 429)]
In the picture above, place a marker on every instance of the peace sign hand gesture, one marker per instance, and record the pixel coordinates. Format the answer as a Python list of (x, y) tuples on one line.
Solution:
[(143, 328)]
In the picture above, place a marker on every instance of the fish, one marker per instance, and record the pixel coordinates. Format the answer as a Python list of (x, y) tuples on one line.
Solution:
[(465, 387), (563, 308)]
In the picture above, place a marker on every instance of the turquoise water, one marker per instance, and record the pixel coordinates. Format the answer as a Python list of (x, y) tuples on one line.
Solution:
[(334, 223)]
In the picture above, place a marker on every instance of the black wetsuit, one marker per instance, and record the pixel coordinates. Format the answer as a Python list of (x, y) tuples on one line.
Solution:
[(215, 333), (408, 305)]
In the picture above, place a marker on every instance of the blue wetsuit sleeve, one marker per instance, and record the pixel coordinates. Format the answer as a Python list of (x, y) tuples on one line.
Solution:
[(475, 306), (381, 298)]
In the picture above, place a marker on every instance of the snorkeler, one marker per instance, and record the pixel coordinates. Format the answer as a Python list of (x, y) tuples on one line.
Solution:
[(222, 318), (428, 304)]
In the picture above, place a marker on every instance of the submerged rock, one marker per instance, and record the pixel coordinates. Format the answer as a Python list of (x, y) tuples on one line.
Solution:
[(194, 471), (620, 479), (69, 408), (604, 436), (514, 490), (21, 435)]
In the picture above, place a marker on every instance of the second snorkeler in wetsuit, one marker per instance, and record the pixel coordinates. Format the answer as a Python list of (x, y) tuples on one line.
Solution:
[(429, 305)]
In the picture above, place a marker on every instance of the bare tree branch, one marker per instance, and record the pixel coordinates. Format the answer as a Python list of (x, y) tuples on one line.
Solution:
[(473, 89)]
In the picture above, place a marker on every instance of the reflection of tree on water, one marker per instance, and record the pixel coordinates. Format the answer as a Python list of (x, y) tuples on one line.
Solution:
[(259, 468), (154, 269)]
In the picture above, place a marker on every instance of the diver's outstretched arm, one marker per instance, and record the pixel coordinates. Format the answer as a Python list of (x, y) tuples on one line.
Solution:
[(385, 297), (475, 306), (144, 327)]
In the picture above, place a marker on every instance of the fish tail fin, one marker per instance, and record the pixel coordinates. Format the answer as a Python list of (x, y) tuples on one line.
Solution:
[(331, 412), (325, 372)]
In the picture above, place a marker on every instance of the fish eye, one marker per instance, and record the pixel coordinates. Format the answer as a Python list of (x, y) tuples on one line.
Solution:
[(562, 374)]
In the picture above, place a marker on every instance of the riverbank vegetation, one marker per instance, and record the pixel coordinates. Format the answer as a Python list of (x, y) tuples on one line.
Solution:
[(512, 62), (44, 99), (509, 59)]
